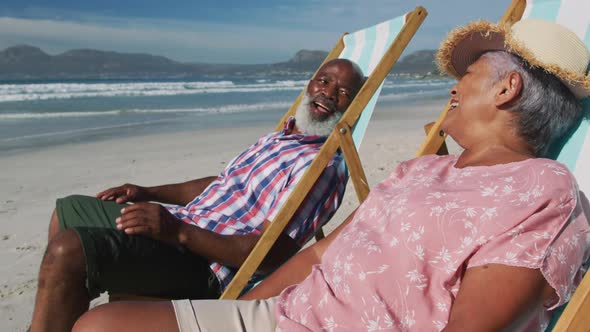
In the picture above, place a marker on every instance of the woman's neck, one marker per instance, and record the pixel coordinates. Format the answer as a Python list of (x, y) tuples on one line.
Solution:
[(492, 155)]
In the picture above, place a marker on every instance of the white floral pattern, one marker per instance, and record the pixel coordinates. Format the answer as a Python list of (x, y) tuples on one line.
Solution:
[(395, 267)]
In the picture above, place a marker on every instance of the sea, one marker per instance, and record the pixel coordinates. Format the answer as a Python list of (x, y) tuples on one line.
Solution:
[(40, 114)]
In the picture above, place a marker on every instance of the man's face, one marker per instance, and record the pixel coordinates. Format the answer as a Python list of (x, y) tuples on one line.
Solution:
[(472, 98), (332, 89)]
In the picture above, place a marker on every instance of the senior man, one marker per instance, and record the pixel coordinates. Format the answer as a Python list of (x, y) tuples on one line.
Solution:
[(192, 247)]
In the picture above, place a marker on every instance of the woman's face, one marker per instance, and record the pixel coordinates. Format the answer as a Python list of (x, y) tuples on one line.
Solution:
[(472, 104)]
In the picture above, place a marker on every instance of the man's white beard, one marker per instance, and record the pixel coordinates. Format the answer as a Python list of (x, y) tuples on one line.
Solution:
[(310, 126)]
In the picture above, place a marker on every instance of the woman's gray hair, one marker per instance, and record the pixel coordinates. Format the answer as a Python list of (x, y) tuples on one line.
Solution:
[(546, 109)]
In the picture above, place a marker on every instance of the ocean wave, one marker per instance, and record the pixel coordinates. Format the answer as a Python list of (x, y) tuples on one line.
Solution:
[(221, 109), (31, 92), (418, 84), (412, 95), (51, 91), (79, 131)]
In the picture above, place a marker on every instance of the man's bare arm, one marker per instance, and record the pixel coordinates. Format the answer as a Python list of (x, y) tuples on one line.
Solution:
[(155, 221), (232, 250), (498, 297), (180, 193), (177, 193)]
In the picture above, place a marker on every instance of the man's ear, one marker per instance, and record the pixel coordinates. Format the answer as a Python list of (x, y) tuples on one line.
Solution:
[(508, 89)]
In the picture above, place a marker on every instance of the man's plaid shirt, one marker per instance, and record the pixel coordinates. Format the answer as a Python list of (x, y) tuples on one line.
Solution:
[(255, 184)]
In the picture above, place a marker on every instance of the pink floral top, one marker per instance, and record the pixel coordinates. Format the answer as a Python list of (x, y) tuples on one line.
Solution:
[(398, 265)]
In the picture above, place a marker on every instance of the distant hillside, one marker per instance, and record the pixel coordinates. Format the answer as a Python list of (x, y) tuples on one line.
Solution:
[(29, 62), (420, 62)]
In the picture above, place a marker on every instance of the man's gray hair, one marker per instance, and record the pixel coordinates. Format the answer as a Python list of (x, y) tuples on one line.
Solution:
[(546, 109)]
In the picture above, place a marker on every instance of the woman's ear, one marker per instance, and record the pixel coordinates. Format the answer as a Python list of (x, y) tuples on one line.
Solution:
[(508, 89)]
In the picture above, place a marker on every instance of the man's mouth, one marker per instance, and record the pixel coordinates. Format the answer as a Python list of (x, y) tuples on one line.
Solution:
[(323, 106)]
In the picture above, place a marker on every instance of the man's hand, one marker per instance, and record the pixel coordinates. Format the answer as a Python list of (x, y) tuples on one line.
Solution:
[(149, 219), (123, 194)]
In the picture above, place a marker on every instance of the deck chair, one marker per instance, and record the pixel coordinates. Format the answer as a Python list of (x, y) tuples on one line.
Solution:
[(375, 50), (574, 152)]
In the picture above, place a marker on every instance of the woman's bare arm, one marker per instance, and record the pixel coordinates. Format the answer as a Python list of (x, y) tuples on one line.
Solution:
[(498, 297), (296, 269)]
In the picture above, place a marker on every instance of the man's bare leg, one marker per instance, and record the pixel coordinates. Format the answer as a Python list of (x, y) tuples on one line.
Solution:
[(129, 317), (54, 227), (62, 296)]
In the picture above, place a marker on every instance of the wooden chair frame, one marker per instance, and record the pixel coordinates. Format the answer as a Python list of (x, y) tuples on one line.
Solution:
[(340, 138)]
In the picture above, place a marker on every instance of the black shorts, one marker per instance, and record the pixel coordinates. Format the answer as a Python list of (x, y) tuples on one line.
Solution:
[(132, 264)]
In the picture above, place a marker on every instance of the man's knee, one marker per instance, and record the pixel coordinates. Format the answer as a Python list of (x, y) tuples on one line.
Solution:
[(54, 225), (73, 200), (64, 253), (86, 211)]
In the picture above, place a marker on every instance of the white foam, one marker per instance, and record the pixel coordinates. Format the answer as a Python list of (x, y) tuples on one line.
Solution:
[(20, 116), (82, 130), (30, 92), (418, 83), (411, 95), (49, 91), (235, 108)]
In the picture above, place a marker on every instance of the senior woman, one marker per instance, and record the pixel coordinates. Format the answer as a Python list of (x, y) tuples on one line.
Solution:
[(491, 239)]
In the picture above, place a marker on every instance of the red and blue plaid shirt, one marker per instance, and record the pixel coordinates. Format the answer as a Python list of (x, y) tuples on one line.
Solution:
[(256, 183)]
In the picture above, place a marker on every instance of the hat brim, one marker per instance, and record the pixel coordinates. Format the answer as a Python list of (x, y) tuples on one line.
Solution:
[(466, 44)]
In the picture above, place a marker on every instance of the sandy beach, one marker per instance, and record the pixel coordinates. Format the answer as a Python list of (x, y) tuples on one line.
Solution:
[(32, 181)]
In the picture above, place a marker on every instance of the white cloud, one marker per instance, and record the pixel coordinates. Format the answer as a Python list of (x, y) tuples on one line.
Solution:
[(260, 34)]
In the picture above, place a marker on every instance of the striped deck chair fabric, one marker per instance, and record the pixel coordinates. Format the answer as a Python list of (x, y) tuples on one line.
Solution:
[(575, 15), (366, 47), (375, 50), (575, 152)]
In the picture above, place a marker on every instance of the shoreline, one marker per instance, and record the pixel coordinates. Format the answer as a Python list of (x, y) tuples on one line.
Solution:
[(20, 136), (32, 181), (183, 124)]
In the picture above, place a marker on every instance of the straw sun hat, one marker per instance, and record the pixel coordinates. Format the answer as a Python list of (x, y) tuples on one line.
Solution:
[(540, 43)]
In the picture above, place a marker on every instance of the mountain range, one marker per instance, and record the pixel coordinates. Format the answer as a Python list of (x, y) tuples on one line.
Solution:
[(26, 62)]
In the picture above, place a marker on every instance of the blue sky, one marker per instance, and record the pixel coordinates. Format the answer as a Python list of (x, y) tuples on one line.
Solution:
[(247, 31)]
